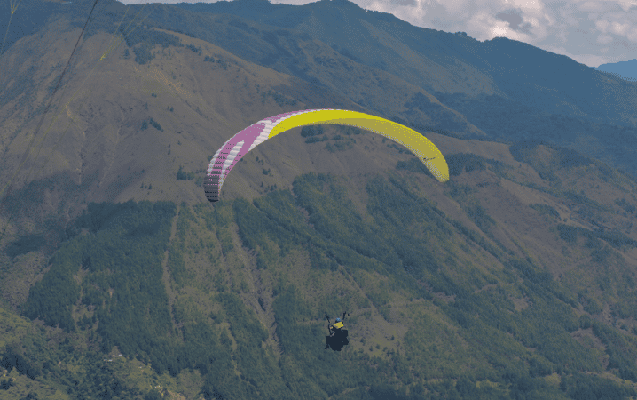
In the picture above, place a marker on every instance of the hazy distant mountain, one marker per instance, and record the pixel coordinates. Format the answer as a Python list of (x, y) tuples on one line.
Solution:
[(624, 69)]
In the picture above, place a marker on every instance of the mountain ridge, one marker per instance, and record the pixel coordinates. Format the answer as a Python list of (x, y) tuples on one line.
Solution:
[(624, 69)]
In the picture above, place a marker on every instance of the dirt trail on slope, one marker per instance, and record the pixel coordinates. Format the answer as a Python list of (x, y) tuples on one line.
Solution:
[(165, 278)]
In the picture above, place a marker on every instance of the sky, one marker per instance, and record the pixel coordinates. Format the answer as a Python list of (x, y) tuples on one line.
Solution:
[(592, 32)]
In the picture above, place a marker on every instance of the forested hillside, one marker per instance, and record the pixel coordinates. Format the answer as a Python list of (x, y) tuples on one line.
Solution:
[(439, 306)]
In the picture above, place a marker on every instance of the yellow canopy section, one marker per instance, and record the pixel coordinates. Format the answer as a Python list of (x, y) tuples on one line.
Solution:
[(422, 147)]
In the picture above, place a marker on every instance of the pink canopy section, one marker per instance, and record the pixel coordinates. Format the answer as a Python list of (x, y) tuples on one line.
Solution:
[(235, 148)]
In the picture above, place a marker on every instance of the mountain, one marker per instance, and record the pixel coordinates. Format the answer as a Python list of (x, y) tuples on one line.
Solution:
[(440, 62), (623, 69), (509, 90), (514, 279)]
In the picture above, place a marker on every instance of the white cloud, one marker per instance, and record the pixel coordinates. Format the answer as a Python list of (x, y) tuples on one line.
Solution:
[(602, 25), (604, 39), (618, 28)]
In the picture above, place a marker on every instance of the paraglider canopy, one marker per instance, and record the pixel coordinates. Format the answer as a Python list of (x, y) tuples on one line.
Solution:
[(241, 143)]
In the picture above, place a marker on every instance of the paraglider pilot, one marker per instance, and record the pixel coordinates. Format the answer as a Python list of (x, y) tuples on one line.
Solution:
[(338, 336)]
